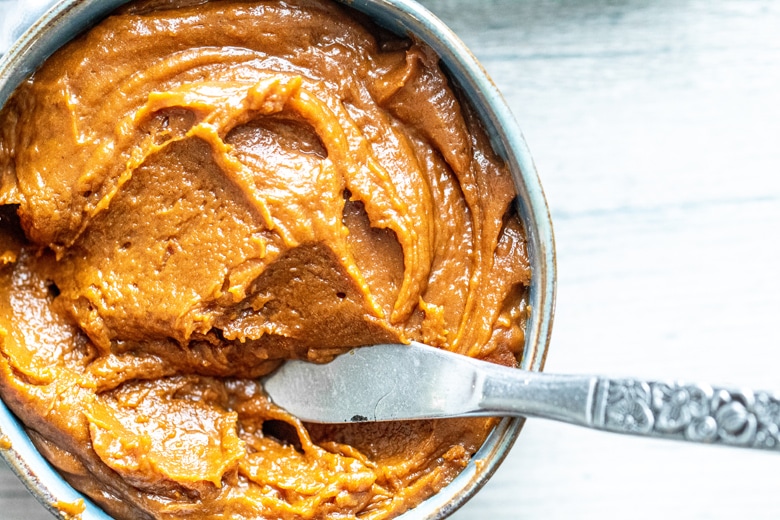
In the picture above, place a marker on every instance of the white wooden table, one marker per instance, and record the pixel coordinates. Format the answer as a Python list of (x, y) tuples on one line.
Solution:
[(656, 132)]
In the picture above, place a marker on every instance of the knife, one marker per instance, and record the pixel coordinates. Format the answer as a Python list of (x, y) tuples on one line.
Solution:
[(394, 382)]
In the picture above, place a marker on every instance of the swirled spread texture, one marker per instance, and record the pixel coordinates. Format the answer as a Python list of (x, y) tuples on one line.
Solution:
[(193, 192)]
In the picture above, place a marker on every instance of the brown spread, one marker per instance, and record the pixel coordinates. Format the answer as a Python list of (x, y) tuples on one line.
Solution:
[(191, 194)]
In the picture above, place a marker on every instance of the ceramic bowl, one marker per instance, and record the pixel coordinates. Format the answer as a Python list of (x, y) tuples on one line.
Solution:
[(68, 18)]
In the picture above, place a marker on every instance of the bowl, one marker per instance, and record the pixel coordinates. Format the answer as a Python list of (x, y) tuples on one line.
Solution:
[(69, 18)]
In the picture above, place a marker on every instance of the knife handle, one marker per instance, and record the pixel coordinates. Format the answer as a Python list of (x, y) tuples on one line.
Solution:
[(671, 410)]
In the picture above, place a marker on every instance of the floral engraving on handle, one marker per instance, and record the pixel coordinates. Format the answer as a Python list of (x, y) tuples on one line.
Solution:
[(628, 407), (693, 412)]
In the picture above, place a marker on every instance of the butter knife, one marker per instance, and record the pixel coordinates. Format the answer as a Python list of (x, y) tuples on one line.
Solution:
[(407, 382)]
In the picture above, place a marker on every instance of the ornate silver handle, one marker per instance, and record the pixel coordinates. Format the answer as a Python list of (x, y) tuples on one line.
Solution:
[(679, 411), (692, 412)]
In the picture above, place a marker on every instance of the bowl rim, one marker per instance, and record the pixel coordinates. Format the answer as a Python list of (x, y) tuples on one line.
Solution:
[(68, 18)]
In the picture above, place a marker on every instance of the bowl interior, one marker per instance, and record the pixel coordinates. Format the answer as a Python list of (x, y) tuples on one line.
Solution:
[(68, 18)]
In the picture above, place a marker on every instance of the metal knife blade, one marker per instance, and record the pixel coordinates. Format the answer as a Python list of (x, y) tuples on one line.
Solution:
[(379, 383)]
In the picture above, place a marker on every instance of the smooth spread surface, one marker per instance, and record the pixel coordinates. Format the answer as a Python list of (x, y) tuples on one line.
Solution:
[(194, 194)]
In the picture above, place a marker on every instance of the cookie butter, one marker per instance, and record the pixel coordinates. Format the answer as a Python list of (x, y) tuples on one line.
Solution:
[(193, 192)]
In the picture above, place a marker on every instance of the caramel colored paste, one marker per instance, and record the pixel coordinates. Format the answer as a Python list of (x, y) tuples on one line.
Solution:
[(191, 194)]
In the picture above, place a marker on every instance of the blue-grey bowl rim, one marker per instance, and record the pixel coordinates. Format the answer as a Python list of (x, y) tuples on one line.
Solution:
[(68, 18)]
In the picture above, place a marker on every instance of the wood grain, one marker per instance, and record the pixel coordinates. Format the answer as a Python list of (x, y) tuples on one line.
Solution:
[(655, 129)]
